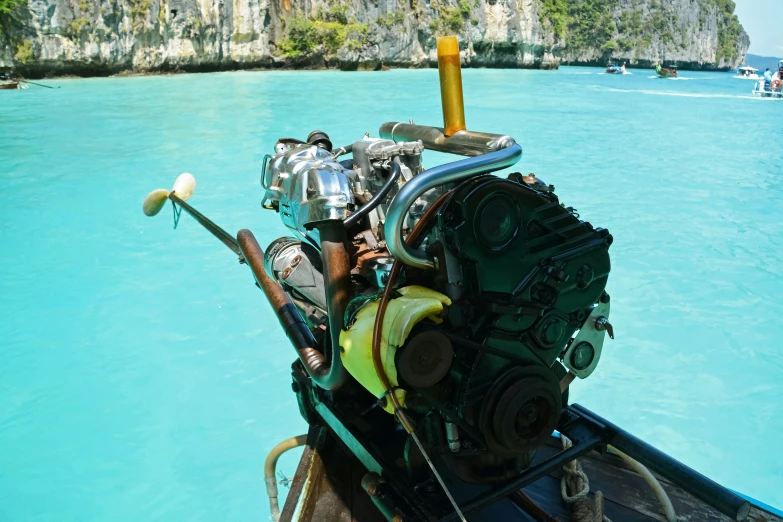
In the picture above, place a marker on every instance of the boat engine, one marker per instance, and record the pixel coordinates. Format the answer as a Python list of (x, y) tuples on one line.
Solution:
[(501, 296)]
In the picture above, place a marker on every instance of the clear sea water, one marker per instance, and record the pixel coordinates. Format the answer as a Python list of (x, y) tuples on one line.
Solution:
[(143, 377)]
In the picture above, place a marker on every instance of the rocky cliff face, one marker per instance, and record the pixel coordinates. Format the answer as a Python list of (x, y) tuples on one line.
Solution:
[(89, 37), (694, 34)]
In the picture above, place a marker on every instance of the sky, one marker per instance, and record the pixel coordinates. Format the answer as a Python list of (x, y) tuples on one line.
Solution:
[(762, 20)]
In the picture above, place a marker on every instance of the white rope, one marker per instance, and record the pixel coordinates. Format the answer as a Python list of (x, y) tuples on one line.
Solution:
[(575, 479)]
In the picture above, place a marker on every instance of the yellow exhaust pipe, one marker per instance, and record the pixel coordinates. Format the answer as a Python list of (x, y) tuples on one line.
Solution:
[(451, 85)]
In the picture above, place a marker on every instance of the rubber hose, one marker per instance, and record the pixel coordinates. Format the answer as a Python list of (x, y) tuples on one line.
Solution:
[(270, 466), (648, 477), (379, 196), (342, 150)]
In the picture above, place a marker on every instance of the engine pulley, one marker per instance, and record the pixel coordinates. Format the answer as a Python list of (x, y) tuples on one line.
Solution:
[(425, 359), (521, 410)]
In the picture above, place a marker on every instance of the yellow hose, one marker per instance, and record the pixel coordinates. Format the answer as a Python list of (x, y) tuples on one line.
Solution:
[(648, 477), (269, 470)]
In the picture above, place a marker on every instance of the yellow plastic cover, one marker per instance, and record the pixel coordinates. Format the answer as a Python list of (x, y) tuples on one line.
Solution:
[(415, 304)]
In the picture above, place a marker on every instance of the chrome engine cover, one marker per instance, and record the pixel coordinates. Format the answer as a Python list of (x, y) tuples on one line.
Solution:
[(308, 186)]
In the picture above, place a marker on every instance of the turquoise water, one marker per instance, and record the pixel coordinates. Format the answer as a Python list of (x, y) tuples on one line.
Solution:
[(143, 377)]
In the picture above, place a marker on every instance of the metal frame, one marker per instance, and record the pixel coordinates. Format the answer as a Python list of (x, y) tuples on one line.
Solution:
[(586, 430)]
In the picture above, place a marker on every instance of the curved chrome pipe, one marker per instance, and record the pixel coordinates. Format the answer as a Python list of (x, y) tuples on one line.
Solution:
[(435, 177)]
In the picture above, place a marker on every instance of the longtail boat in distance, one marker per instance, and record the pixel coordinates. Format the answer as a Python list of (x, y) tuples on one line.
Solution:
[(12, 85), (666, 72)]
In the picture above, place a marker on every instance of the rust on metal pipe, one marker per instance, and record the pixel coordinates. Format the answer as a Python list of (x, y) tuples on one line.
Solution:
[(450, 85), (326, 375), (337, 283)]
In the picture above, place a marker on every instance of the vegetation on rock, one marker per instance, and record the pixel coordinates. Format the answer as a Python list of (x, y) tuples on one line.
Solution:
[(391, 19), (75, 28), (450, 20), (729, 29), (24, 51), (590, 24), (323, 32), (140, 9), (555, 13), (576, 31), (603, 25), (6, 8)]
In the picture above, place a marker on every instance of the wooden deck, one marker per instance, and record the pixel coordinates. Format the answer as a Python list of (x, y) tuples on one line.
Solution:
[(628, 498)]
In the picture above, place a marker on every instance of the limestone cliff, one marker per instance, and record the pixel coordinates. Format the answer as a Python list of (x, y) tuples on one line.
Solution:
[(89, 37), (694, 34)]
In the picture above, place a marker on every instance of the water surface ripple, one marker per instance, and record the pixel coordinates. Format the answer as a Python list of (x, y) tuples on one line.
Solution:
[(143, 377)]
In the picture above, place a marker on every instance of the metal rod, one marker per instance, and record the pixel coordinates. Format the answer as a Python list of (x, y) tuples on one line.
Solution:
[(464, 143), (531, 475), (372, 484), (226, 238), (40, 85), (710, 492), (443, 486), (290, 319)]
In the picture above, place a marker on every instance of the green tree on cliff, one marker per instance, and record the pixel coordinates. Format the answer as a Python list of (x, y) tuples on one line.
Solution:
[(7, 6), (608, 26)]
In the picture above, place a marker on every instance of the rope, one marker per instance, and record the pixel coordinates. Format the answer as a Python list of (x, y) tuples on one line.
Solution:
[(583, 509)]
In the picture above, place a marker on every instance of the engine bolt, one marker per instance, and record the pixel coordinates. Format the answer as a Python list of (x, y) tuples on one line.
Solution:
[(602, 323)]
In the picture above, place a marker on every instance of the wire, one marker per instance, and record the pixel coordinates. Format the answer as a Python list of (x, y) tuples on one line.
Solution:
[(421, 225)]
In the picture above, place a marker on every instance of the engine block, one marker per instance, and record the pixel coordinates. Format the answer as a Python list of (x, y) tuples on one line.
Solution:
[(521, 276)]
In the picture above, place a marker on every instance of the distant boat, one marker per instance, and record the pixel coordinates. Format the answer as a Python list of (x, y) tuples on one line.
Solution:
[(667, 72), (775, 89), (12, 85), (747, 72), (615, 69)]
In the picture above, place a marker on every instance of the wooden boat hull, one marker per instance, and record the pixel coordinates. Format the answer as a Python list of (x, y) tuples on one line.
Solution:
[(9, 86), (327, 486), (667, 73)]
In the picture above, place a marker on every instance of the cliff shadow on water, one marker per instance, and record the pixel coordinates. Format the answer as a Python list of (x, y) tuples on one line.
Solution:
[(41, 38)]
